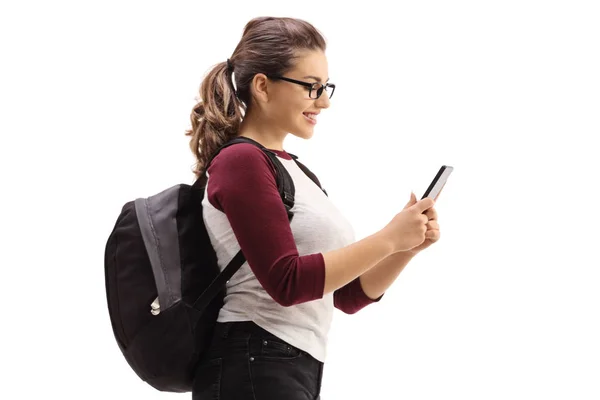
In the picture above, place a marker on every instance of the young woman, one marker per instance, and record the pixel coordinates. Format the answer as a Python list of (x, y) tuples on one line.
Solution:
[(271, 336)]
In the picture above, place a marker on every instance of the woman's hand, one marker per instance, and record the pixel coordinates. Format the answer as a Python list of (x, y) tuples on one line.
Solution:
[(433, 228)]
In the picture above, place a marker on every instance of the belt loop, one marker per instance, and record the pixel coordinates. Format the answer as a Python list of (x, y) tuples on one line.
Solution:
[(226, 329)]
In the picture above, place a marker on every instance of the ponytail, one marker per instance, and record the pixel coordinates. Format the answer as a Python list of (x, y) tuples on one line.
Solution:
[(216, 118)]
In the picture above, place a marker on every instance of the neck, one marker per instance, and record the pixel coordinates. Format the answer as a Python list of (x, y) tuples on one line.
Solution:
[(262, 131)]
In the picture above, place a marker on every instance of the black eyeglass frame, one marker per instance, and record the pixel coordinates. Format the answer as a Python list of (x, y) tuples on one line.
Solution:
[(312, 86)]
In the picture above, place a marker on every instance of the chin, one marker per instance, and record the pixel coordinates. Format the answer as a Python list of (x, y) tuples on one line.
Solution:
[(303, 134)]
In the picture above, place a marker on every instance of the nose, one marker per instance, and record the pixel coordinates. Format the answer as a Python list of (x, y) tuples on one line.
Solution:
[(323, 101)]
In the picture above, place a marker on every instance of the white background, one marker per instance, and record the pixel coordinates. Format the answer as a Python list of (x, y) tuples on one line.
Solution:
[(95, 98)]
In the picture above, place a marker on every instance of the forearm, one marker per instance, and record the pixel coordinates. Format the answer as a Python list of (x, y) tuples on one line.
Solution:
[(344, 265), (378, 279)]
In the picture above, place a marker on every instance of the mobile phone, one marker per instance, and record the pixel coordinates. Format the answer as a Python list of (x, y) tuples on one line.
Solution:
[(438, 182)]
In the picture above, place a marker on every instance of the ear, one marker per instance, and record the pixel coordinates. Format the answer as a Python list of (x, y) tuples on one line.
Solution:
[(260, 86)]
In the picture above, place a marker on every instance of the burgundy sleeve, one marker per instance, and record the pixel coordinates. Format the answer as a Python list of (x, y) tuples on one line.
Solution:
[(242, 185), (351, 298)]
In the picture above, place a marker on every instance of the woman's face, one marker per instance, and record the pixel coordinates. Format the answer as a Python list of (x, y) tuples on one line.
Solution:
[(289, 106)]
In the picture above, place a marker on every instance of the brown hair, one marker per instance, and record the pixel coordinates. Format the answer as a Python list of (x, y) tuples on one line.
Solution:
[(268, 45)]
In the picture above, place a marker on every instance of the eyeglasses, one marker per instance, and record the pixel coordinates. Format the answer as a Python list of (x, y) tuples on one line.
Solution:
[(315, 90)]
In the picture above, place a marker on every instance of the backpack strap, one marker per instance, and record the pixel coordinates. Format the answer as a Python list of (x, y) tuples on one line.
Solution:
[(285, 184), (287, 191), (308, 173)]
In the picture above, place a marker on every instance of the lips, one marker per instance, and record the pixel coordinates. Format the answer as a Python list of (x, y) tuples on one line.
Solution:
[(311, 117)]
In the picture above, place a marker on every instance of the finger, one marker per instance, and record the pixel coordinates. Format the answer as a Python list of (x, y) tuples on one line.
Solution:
[(434, 214), (433, 225), (423, 205), (433, 235), (431, 214), (413, 200)]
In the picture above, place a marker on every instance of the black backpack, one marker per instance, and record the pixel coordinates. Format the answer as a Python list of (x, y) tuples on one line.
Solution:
[(163, 285)]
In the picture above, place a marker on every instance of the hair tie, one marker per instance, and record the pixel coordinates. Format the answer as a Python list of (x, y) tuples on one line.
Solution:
[(230, 69)]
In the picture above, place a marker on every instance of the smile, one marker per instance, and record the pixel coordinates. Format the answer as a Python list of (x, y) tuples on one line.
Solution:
[(311, 118)]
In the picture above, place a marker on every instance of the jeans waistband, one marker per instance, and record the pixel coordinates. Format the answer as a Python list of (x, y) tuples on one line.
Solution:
[(226, 329)]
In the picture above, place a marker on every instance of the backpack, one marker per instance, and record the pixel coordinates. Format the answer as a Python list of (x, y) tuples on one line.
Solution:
[(164, 288)]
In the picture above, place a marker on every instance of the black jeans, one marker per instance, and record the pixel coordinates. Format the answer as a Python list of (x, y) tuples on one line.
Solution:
[(245, 362)]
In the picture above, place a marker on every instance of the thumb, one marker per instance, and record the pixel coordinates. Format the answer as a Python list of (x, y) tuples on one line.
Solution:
[(424, 205), (412, 201)]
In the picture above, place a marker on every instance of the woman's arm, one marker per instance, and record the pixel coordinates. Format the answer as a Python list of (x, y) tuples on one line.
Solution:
[(378, 279), (370, 287), (242, 185)]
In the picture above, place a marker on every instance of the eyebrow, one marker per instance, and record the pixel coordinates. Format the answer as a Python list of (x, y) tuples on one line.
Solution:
[(316, 78)]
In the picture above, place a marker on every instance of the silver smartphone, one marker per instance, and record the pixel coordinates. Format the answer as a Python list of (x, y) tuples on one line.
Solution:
[(438, 182)]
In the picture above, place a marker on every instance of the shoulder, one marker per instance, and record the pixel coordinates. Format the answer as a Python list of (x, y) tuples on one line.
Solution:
[(238, 173), (240, 158)]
